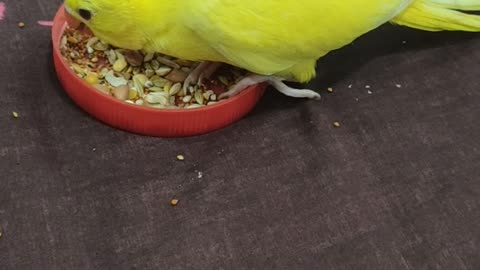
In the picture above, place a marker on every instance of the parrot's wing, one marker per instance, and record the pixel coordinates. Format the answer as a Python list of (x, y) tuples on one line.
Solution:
[(270, 36)]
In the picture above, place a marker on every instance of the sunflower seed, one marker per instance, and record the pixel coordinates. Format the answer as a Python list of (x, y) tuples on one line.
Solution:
[(175, 89), (162, 71)]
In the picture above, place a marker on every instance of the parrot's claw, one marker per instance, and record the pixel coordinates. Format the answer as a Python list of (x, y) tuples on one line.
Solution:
[(203, 71), (276, 82)]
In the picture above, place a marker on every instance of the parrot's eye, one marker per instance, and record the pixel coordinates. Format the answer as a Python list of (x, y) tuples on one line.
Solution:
[(85, 14)]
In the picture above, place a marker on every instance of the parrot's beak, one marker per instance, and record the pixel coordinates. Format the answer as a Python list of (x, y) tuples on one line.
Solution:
[(71, 20)]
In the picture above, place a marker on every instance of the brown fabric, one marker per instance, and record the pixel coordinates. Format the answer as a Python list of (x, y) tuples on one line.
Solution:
[(395, 187)]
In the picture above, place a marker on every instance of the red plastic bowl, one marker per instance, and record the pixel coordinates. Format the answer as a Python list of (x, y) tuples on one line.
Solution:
[(144, 120)]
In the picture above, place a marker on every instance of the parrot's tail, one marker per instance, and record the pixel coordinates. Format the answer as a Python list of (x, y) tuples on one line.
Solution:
[(440, 15)]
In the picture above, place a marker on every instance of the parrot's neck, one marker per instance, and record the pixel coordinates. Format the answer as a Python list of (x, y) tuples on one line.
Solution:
[(160, 14)]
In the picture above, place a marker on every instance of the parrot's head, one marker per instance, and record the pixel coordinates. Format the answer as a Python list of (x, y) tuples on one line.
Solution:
[(108, 19)]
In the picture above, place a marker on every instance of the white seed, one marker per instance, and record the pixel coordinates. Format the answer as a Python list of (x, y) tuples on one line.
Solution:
[(114, 80), (157, 98), (156, 106), (194, 106), (212, 103), (162, 71), (139, 102), (175, 89), (213, 97), (187, 99)]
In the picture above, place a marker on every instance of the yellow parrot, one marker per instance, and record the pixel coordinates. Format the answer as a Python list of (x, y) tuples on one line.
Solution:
[(275, 40)]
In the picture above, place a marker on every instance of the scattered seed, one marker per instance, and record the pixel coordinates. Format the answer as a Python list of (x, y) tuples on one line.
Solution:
[(349, 86), (398, 85), (330, 90), (180, 157), (200, 175), (15, 115), (369, 92), (174, 202), (336, 124), (367, 86), (21, 24)]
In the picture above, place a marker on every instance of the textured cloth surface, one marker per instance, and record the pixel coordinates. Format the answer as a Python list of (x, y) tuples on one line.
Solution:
[(395, 187)]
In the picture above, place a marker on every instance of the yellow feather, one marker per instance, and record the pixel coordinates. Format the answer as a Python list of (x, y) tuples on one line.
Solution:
[(269, 37)]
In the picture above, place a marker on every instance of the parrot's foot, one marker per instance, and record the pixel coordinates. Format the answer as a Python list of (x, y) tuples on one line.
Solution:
[(202, 71), (276, 82)]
